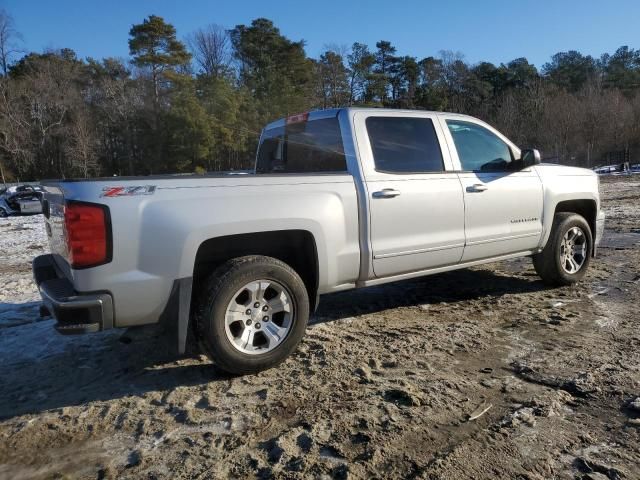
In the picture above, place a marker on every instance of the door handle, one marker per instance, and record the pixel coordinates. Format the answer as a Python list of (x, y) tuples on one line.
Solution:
[(386, 193), (477, 187)]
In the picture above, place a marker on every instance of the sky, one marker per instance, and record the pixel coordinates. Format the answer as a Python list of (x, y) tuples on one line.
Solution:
[(483, 30)]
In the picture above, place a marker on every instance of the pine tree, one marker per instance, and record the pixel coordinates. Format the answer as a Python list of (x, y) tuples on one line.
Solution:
[(275, 69), (153, 45)]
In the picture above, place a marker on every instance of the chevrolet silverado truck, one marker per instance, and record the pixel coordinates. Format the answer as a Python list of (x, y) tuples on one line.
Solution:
[(339, 199)]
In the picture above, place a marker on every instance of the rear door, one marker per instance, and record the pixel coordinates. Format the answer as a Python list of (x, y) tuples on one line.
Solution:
[(416, 201), (503, 203)]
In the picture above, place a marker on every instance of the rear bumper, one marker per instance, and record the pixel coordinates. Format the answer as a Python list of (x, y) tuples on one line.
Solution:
[(75, 312)]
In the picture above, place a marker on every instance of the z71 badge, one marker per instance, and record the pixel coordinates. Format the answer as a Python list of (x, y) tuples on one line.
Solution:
[(128, 191)]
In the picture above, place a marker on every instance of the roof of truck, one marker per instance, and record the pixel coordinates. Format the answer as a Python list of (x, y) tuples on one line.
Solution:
[(332, 112)]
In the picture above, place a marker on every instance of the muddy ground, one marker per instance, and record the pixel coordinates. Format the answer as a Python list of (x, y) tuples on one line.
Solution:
[(386, 384)]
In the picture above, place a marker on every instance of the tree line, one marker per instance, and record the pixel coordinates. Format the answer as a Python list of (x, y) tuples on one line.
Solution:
[(198, 104)]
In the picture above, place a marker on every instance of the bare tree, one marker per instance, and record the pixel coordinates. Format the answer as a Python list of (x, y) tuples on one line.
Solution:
[(34, 110), (81, 148), (211, 49), (454, 73), (15, 127), (117, 99), (9, 41)]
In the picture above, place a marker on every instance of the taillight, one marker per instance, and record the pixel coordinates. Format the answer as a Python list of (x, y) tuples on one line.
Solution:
[(88, 234)]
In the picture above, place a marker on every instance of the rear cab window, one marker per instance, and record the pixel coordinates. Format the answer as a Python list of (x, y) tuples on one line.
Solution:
[(302, 146)]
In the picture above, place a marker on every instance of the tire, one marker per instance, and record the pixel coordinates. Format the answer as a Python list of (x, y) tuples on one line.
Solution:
[(222, 316), (3, 213), (551, 264)]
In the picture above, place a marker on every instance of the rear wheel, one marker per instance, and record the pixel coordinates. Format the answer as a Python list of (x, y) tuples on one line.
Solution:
[(3, 213), (252, 314), (567, 254)]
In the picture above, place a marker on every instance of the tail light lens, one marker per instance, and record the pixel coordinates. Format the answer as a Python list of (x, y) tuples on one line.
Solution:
[(88, 234)]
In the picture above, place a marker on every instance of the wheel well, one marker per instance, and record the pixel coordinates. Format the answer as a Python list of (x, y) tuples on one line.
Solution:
[(585, 208), (297, 248)]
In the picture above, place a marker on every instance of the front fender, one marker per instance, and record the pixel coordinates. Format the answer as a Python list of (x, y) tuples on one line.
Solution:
[(561, 188)]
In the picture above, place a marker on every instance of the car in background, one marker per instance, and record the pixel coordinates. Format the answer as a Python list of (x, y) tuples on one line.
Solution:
[(21, 200), (607, 169), (618, 169)]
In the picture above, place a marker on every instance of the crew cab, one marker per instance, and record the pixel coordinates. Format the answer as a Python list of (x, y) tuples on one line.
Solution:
[(339, 199)]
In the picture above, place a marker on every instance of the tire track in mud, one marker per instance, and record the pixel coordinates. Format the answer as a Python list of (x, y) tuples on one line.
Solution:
[(581, 392)]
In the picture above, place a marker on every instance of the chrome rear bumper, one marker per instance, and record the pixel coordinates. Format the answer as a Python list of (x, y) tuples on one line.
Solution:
[(75, 312)]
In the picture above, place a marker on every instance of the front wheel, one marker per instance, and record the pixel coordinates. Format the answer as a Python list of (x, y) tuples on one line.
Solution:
[(3, 213), (566, 256), (252, 314)]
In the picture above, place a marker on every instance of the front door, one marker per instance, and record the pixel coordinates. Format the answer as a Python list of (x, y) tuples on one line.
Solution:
[(503, 204), (416, 202)]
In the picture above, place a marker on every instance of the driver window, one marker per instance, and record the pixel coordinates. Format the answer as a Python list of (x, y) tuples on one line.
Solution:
[(479, 149)]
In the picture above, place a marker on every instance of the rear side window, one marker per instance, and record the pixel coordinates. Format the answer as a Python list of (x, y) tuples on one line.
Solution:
[(310, 146), (404, 145), (479, 149)]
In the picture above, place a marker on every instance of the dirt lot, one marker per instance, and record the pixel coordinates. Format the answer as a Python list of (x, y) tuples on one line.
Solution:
[(386, 383)]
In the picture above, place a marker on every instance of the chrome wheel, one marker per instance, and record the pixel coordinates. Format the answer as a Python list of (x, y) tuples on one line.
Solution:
[(573, 250), (259, 317)]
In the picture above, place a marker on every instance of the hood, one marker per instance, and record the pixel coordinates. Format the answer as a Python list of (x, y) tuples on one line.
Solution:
[(552, 169)]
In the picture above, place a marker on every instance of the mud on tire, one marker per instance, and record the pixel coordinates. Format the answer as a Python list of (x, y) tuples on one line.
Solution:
[(570, 237), (251, 314)]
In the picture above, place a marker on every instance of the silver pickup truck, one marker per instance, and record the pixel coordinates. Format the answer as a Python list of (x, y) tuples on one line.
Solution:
[(339, 199)]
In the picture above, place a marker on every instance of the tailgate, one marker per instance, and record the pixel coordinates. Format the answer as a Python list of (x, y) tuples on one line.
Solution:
[(53, 210)]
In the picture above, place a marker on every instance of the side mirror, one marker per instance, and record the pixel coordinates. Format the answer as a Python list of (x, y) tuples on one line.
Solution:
[(529, 157)]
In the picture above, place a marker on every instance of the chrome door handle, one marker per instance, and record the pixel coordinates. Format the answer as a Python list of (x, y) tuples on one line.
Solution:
[(477, 187), (386, 193)]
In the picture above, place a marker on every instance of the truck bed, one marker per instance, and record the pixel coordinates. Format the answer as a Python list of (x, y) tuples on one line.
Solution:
[(158, 229)]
